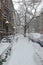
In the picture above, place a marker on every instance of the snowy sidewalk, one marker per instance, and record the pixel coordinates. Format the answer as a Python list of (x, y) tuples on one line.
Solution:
[(22, 53)]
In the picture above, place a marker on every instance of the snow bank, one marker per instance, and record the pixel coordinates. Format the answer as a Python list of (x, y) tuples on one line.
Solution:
[(38, 54), (3, 47)]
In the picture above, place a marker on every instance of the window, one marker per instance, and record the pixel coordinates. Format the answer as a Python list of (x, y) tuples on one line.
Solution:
[(5, 12), (6, 3)]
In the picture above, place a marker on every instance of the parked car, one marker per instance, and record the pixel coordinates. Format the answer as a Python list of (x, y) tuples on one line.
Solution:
[(34, 36), (40, 40)]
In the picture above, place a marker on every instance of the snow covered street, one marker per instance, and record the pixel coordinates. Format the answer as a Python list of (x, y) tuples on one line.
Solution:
[(22, 53)]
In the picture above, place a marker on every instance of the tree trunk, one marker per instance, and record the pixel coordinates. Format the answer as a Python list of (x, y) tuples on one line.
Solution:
[(25, 31), (25, 27)]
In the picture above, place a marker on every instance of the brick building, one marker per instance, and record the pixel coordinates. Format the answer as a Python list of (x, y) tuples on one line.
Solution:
[(6, 14)]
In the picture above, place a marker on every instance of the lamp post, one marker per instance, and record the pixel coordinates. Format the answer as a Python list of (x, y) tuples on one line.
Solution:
[(14, 28), (7, 23)]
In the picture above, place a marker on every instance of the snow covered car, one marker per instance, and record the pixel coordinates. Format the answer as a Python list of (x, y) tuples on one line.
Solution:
[(40, 40), (34, 36)]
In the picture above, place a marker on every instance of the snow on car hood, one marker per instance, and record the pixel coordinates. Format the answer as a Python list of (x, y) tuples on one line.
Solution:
[(34, 35)]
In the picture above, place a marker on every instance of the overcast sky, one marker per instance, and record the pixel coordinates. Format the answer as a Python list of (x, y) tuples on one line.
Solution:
[(38, 9), (16, 5)]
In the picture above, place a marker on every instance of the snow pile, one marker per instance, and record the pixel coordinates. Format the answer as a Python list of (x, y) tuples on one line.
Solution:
[(4, 52), (3, 47), (38, 54)]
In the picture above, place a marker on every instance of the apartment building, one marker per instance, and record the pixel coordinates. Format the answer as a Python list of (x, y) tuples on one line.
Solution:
[(6, 17)]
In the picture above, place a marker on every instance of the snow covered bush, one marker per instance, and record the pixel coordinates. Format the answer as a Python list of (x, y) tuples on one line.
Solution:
[(3, 57)]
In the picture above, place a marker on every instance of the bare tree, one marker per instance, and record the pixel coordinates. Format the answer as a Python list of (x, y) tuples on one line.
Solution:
[(27, 12)]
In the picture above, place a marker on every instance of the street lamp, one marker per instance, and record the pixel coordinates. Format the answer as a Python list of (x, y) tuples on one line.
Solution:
[(14, 28), (7, 23)]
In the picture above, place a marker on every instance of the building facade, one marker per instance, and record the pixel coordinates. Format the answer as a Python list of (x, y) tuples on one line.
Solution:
[(6, 14), (40, 23)]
